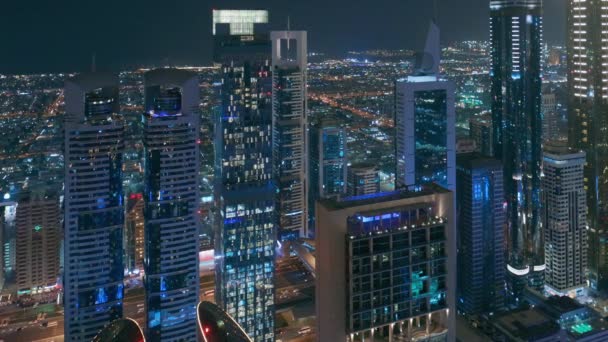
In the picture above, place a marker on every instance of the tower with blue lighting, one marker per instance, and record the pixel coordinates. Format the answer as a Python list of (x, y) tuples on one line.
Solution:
[(171, 197), (245, 191), (516, 35), (425, 122), (328, 164), (481, 220), (93, 205)]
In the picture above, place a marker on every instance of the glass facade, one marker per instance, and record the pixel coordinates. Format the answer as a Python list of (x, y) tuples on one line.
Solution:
[(244, 187), (430, 112), (327, 166), (171, 202), (481, 220), (94, 211), (587, 42), (396, 268), (516, 34)]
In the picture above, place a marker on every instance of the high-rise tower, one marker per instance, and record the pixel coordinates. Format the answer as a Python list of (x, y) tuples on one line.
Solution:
[(171, 197), (425, 122), (289, 131), (588, 120), (565, 220), (244, 187), (516, 34), (93, 205)]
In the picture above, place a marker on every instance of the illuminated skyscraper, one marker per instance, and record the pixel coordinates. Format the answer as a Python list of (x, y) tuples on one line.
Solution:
[(93, 205), (245, 189), (171, 197), (362, 179), (289, 131), (425, 123), (564, 220), (480, 130), (327, 163), (588, 120), (481, 220), (38, 235), (516, 34), (386, 266)]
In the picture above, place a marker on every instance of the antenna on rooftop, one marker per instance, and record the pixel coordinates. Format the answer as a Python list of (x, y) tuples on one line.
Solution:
[(93, 63)]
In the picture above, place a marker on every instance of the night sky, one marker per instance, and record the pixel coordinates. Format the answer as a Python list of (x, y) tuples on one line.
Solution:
[(52, 36)]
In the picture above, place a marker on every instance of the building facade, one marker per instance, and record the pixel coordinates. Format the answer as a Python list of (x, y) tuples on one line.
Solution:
[(289, 129), (93, 205), (588, 120), (171, 198), (362, 179), (481, 219), (328, 165), (516, 34), (564, 220), (38, 235), (245, 191), (386, 266), (480, 130), (425, 123)]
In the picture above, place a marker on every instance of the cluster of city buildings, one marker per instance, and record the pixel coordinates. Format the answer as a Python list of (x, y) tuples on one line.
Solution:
[(478, 230)]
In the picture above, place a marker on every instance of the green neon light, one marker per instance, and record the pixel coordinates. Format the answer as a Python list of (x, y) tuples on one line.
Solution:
[(581, 328), (37, 228)]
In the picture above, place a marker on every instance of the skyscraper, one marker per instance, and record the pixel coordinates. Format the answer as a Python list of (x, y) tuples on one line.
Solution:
[(38, 235), (564, 220), (245, 191), (327, 168), (93, 205), (481, 219), (480, 130), (551, 120), (362, 179), (516, 33), (171, 197), (588, 121), (425, 122), (289, 131), (386, 266)]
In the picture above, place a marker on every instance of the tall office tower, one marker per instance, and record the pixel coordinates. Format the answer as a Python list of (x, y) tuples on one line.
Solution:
[(481, 219), (171, 198), (551, 120), (134, 234), (516, 34), (588, 121), (386, 266), (244, 185), (38, 235), (480, 130), (93, 205), (564, 220), (289, 131), (327, 168), (425, 121), (362, 179)]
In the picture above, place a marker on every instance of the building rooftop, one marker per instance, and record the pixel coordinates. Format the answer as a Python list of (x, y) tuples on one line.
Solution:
[(527, 324), (355, 201)]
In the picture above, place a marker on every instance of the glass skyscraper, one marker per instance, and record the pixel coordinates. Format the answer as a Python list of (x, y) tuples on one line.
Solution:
[(94, 210), (171, 197), (327, 167), (244, 186), (481, 219), (587, 43), (289, 131), (425, 123), (516, 34)]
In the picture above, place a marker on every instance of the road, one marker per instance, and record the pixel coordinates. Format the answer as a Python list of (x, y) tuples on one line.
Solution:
[(23, 326)]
